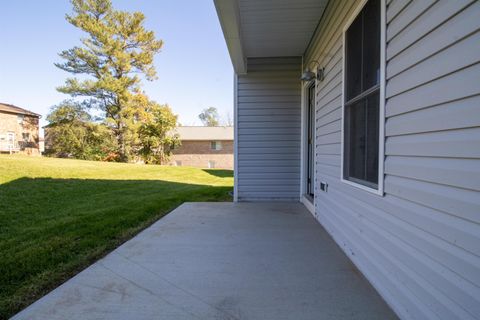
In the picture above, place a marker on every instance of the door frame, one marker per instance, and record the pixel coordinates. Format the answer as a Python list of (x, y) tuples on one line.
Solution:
[(11, 142), (304, 198), (11, 134)]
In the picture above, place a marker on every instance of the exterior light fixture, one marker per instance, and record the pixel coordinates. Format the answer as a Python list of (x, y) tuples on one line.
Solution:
[(320, 74), (309, 75)]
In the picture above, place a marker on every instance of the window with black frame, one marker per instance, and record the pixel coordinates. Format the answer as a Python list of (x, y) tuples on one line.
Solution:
[(362, 97)]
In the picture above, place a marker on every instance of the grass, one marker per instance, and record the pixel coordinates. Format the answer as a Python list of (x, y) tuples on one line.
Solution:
[(57, 216)]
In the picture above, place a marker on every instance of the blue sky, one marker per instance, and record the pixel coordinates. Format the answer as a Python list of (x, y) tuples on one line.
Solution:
[(194, 69)]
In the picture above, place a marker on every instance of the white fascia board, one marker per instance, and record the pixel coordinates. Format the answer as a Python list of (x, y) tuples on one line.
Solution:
[(229, 15)]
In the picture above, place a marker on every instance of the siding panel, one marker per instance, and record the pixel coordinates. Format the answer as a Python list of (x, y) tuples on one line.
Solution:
[(429, 254), (462, 113), (395, 8), (458, 202), (422, 22), (269, 137), (269, 131), (268, 123), (418, 243), (438, 65), (437, 92), (460, 173), (461, 143), (453, 30), (407, 16)]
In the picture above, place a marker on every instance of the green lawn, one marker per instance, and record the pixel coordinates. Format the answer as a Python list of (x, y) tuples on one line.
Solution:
[(57, 216)]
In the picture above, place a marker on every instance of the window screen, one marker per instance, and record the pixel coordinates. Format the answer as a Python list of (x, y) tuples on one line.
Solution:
[(361, 99)]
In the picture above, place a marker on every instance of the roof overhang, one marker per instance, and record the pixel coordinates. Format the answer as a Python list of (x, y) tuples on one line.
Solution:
[(11, 109), (201, 133), (267, 28), (229, 16)]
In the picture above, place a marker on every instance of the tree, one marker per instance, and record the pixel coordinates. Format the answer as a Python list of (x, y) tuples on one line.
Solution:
[(115, 52), (72, 133), (228, 119), (209, 117), (155, 136)]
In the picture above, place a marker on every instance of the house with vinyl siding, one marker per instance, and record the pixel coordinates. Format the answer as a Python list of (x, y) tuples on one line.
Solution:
[(368, 112)]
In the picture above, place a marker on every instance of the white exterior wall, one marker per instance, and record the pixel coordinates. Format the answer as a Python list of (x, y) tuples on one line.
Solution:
[(267, 121), (419, 243)]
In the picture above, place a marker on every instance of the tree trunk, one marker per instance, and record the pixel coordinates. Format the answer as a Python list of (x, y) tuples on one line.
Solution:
[(122, 154)]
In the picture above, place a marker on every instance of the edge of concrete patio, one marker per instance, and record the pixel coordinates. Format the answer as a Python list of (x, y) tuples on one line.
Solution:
[(220, 261)]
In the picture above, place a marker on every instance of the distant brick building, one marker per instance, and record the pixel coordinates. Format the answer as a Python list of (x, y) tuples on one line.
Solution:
[(19, 130), (204, 147)]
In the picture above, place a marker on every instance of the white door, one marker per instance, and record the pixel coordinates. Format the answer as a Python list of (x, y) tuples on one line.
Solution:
[(11, 141)]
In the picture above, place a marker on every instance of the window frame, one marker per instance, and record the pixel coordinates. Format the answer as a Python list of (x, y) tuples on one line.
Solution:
[(381, 134), (218, 145)]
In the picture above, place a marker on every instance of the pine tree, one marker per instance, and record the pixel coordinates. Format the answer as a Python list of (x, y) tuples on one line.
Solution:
[(116, 50)]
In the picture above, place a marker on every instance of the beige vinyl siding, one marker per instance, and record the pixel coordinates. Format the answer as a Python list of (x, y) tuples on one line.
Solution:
[(268, 124), (419, 244)]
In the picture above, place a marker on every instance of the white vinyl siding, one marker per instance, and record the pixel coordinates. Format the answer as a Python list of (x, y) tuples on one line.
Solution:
[(268, 123), (419, 244)]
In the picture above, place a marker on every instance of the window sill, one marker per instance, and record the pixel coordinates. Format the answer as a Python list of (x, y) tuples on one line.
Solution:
[(378, 192)]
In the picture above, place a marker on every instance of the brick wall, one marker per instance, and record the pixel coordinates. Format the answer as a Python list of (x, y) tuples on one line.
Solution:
[(10, 123), (199, 153)]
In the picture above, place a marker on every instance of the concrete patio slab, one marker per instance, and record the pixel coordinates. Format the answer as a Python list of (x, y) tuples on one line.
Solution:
[(220, 261)]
